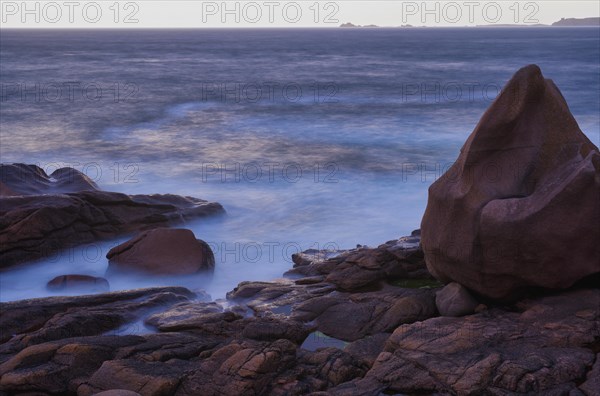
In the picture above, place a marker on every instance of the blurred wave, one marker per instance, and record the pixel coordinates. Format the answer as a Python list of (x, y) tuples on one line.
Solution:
[(347, 128)]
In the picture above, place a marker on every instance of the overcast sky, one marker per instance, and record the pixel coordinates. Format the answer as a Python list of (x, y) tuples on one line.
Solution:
[(275, 13)]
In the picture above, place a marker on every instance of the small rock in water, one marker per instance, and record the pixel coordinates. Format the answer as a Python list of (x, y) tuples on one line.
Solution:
[(167, 251), (455, 300), (78, 283)]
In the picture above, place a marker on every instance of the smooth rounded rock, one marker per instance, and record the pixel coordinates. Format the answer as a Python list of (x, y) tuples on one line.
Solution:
[(455, 300), (162, 251)]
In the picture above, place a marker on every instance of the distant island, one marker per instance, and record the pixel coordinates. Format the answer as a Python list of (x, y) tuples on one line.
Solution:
[(351, 25), (492, 25), (580, 22)]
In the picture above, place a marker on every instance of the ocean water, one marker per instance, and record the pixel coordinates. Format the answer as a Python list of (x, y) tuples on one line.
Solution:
[(309, 138)]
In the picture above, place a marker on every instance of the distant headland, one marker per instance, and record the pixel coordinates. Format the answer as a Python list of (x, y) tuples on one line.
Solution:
[(578, 22)]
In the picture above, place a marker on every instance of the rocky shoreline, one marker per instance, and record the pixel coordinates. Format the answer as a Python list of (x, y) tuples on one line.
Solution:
[(411, 316), (276, 337)]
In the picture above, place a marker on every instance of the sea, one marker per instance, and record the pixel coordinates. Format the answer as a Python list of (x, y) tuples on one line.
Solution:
[(310, 138)]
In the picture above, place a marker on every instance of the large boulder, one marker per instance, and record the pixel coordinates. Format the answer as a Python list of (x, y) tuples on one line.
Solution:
[(166, 251), (520, 207)]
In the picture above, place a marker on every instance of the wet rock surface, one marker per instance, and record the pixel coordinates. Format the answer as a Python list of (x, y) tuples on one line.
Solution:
[(40, 216)]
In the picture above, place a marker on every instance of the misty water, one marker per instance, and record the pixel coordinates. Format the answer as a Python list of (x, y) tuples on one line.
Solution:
[(309, 138)]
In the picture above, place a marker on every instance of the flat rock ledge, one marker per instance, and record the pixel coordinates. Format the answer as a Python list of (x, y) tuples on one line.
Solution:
[(312, 334), (42, 214)]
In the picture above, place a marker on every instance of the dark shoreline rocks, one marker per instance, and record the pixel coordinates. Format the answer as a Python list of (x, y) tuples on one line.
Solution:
[(37, 226), (251, 343), (548, 346)]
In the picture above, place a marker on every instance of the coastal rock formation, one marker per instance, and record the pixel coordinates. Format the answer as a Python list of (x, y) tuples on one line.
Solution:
[(543, 346), (344, 316), (351, 295), (168, 251), (71, 211), (519, 209), (274, 338), (80, 283)]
